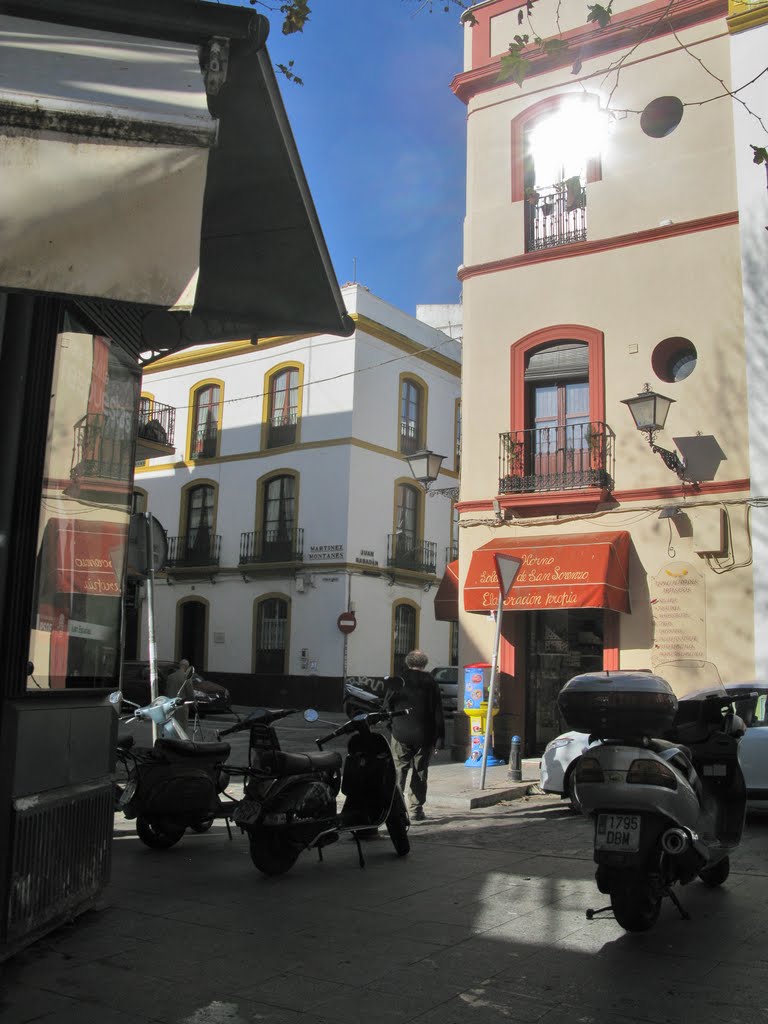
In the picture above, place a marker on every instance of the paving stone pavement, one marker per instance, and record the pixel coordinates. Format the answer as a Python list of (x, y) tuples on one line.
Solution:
[(483, 922)]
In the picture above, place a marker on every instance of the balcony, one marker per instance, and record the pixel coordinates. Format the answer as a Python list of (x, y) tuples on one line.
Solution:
[(281, 430), (156, 430), (404, 552), (194, 550), (205, 443), (555, 215), (268, 546), (410, 441), (556, 458), (102, 457)]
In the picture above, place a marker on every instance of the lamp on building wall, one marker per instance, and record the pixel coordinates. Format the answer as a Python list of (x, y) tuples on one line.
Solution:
[(425, 466), (649, 411)]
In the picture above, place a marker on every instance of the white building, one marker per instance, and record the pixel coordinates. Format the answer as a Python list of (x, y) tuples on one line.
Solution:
[(289, 502)]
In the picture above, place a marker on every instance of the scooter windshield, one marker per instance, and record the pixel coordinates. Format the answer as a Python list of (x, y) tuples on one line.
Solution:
[(692, 680)]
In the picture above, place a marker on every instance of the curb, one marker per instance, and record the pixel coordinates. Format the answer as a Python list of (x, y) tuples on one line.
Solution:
[(482, 798)]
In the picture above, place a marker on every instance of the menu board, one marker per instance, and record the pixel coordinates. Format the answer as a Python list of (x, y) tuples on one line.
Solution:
[(678, 604)]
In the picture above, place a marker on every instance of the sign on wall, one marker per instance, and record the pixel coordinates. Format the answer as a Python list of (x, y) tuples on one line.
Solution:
[(678, 603)]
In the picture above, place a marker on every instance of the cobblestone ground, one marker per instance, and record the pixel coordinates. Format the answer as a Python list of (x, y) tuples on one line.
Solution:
[(483, 922)]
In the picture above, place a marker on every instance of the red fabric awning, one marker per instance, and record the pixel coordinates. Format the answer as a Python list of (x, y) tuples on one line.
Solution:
[(447, 594), (83, 557), (585, 570)]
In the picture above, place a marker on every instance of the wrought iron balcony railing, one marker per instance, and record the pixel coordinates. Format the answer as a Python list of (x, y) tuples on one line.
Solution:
[(452, 552), (555, 215), (200, 547), (205, 443), (101, 450), (410, 440), (406, 552), (556, 458), (157, 422), (271, 546), (281, 430)]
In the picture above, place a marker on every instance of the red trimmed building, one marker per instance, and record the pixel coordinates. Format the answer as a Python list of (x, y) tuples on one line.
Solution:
[(602, 255)]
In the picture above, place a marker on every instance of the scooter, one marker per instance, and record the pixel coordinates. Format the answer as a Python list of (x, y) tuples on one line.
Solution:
[(663, 786), (173, 785), (289, 802)]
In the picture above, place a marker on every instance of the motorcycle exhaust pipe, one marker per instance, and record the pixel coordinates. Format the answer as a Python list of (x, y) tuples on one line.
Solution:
[(675, 841)]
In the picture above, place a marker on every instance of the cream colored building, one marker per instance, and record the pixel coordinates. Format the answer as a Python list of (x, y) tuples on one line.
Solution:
[(602, 254)]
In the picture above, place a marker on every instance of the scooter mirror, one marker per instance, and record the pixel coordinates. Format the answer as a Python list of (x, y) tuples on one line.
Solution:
[(116, 697), (310, 715)]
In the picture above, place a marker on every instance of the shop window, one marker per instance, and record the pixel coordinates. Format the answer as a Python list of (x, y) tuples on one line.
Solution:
[(271, 636), (206, 422)]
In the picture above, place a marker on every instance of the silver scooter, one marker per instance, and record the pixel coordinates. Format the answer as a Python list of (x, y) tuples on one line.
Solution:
[(664, 787)]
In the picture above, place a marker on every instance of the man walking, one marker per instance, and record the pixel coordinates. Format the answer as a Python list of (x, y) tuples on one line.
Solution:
[(417, 734)]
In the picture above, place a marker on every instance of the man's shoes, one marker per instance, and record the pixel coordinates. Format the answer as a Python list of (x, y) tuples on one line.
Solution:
[(417, 814)]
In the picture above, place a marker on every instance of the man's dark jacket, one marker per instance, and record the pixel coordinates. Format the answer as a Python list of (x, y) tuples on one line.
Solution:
[(424, 725)]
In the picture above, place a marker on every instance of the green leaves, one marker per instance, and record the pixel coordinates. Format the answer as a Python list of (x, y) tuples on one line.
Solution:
[(760, 155), (513, 65), (285, 69), (295, 16), (600, 15)]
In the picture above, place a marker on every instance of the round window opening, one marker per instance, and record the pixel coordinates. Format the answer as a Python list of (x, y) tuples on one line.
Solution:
[(661, 116), (674, 359)]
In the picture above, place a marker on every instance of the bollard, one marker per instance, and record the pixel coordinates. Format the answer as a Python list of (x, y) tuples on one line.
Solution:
[(515, 771)]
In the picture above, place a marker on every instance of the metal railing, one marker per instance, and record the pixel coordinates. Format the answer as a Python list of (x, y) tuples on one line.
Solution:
[(556, 458), (404, 552), (157, 422), (204, 443), (452, 552), (410, 440), (200, 547), (281, 430), (555, 215), (97, 453), (271, 546)]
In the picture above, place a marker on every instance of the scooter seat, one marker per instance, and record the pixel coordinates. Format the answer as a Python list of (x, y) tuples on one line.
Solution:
[(190, 749), (299, 764)]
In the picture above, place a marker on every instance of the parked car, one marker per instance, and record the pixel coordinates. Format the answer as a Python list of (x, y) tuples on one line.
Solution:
[(211, 697), (561, 754), (447, 677)]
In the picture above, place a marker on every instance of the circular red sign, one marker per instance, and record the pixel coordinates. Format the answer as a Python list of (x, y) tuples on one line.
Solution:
[(347, 622)]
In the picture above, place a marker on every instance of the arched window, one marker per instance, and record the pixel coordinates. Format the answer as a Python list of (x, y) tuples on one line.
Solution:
[(412, 415), (199, 542), (283, 412), (206, 414), (405, 634), (407, 547), (271, 636), (278, 523)]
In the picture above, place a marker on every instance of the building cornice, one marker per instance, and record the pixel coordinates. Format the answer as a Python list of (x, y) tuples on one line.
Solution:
[(233, 349), (743, 16), (561, 252), (651, 21)]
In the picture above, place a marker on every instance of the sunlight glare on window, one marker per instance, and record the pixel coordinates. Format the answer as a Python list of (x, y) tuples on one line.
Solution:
[(562, 143)]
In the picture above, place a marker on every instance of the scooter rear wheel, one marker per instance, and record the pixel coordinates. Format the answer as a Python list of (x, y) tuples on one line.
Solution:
[(397, 825), (202, 826), (636, 908), (158, 835), (273, 853), (717, 874)]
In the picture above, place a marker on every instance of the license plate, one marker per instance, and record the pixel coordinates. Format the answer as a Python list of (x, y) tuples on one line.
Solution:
[(618, 832), (247, 812)]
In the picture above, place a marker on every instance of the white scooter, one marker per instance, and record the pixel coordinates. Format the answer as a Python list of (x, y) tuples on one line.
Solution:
[(664, 787)]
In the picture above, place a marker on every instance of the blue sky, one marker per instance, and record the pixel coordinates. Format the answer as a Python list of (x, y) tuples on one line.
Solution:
[(382, 139)]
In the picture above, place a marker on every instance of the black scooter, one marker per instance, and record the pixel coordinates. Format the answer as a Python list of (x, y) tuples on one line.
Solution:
[(173, 785), (290, 799)]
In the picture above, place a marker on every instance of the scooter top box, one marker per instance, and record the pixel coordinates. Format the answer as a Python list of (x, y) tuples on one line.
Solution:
[(613, 705)]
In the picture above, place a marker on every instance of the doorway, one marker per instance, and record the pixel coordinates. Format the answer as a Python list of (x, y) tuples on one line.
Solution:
[(192, 633), (559, 645)]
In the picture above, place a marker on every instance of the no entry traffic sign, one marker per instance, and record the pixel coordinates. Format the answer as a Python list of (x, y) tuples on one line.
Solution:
[(347, 622)]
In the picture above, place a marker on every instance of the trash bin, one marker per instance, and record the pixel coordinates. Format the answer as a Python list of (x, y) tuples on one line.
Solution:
[(477, 679)]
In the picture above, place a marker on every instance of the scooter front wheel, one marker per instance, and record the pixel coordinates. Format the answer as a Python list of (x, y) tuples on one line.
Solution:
[(635, 908), (273, 853), (202, 826), (158, 835), (397, 825)]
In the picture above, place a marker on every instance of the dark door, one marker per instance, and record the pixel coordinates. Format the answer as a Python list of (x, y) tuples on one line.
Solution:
[(560, 645), (192, 633)]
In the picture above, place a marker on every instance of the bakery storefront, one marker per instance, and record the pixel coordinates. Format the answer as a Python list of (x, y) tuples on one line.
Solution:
[(561, 617)]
